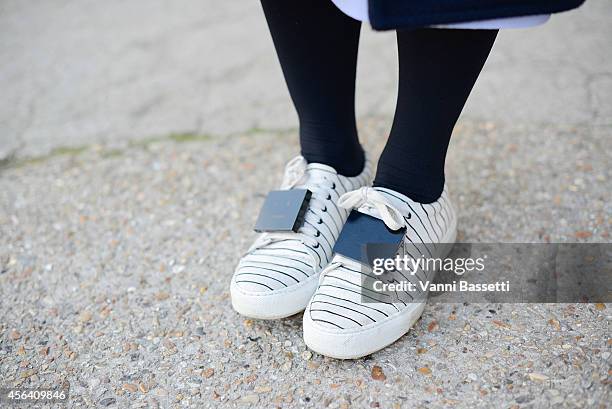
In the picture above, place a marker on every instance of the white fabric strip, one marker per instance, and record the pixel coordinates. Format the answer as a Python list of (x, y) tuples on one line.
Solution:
[(358, 9)]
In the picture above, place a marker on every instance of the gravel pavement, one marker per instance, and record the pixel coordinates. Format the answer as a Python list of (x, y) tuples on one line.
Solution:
[(127, 198)]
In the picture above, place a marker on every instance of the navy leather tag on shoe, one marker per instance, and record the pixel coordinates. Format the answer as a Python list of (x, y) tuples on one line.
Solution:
[(283, 210), (365, 238)]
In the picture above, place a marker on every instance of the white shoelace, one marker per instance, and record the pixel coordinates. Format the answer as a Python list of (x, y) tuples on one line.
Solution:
[(295, 170), (370, 199), (296, 175)]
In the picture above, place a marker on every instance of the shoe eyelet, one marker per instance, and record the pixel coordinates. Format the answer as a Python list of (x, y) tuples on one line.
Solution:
[(318, 234), (328, 197), (334, 185), (320, 221), (325, 209), (316, 247)]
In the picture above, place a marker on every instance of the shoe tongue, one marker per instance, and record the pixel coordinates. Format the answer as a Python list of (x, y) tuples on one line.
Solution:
[(319, 170), (316, 171), (320, 167)]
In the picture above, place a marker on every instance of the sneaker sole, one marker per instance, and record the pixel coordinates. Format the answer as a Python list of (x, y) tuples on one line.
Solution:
[(276, 304), (360, 342)]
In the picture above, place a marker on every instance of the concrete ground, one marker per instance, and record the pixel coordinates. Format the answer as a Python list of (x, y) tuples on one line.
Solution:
[(130, 138)]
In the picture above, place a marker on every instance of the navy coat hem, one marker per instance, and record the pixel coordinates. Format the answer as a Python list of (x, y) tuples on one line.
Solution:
[(398, 14)]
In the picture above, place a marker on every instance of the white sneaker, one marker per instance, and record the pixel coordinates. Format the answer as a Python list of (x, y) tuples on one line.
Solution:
[(280, 272), (337, 322)]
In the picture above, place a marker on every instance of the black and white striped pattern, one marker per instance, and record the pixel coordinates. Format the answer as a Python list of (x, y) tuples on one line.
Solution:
[(337, 303), (277, 262)]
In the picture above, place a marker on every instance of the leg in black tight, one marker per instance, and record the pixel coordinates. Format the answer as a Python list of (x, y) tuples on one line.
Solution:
[(317, 47), (437, 70)]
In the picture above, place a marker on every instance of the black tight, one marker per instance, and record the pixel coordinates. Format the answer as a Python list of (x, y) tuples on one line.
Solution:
[(437, 70), (317, 47)]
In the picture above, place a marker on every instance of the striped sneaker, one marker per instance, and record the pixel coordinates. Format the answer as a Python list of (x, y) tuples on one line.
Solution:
[(280, 272), (337, 321)]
